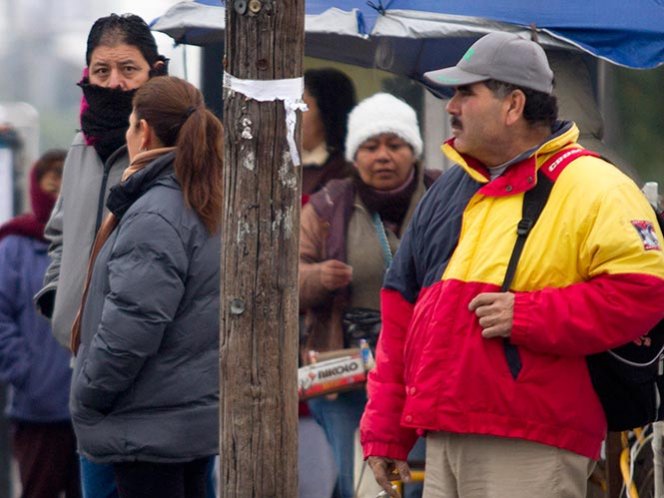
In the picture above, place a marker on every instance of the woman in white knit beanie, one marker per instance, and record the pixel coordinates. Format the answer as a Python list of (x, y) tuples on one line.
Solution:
[(382, 114), (349, 232)]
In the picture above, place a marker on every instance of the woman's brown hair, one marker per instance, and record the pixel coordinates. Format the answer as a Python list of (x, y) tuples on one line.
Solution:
[(176, 112)]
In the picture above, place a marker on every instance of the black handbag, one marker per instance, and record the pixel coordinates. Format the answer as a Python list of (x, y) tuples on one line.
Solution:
[(358, 324)]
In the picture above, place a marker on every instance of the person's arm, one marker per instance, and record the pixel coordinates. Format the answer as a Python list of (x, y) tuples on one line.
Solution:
[(13, 348), (380, 429), (623, 294), (45, 298), (147, 271), (385, 442), (318, 277)]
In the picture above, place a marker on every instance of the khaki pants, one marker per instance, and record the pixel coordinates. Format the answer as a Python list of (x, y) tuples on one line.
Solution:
[(475, 466)]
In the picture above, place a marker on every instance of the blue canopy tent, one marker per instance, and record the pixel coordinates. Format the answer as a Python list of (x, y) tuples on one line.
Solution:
[(629, 33), (410, 37)]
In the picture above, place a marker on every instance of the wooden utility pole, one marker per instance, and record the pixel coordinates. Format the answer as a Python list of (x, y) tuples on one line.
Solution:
[(614, 479), (260, 234)]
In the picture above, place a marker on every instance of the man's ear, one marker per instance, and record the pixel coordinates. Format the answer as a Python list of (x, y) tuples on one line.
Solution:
[(515, 101), (159, 68)]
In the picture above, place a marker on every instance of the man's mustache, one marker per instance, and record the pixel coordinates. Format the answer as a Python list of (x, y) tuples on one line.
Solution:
[(455, 122)]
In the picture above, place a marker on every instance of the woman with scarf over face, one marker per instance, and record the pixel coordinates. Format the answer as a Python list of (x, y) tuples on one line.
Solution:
[(32, 363), (121, 56), (348, 233), (145, 388)]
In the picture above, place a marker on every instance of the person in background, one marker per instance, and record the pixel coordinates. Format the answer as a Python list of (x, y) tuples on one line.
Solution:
[(349, 232), (121, 55), (498, 379), (145, 391), (330, 96), (32, 363)]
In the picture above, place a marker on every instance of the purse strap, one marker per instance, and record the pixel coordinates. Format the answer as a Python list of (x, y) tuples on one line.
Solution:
[(382, 238)]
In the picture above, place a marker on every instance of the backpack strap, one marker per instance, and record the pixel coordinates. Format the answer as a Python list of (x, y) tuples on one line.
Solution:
[(534, 201)]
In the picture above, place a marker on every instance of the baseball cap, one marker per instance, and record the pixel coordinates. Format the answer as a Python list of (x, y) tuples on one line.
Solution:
[(499, 56)]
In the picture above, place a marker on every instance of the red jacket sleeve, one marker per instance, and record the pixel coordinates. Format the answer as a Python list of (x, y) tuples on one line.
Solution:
[(588, 317), (380, 430), (621, 295)]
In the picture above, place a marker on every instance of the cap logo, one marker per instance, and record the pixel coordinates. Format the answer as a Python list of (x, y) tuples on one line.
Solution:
[(469, 54), (446, 80)]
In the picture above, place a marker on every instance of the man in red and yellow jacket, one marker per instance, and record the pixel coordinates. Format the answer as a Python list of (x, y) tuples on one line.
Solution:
[(591, 277)]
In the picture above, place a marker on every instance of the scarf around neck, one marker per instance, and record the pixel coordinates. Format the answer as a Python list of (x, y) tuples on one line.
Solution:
[(105, 117), (391, 205)]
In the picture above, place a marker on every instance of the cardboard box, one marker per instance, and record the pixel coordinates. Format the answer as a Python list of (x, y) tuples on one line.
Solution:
[(343, 372)]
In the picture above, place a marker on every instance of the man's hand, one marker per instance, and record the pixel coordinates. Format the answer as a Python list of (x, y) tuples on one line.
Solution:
[(495, 311), (386, 470), (334, 274)]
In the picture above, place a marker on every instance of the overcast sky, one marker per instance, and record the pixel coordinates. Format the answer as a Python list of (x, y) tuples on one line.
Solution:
[(70, 21), (147, 9)]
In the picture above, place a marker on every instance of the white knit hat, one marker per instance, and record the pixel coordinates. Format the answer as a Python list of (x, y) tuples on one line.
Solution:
[(378, 114)]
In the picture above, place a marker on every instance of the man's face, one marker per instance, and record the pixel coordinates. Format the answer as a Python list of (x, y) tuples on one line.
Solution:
[(478, 121), (120, 66)]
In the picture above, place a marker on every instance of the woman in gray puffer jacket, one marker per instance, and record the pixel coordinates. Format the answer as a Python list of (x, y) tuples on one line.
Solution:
[(145, 393)]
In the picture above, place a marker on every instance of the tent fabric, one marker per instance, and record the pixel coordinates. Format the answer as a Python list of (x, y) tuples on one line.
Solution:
[(577, 102), (203, 22), (195, 23), (628, 33)]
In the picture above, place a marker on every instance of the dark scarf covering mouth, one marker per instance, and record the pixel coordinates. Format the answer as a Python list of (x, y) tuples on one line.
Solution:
[(391, 205), (105, 118)]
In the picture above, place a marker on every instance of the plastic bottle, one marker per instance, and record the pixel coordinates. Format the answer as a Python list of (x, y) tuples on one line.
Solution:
[(650, 189), (367, 355)]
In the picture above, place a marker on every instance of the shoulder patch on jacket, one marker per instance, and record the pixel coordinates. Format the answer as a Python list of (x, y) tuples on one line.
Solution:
[(646, 231)]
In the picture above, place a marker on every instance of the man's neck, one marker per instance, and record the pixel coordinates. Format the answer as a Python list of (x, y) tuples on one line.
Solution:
[(529, 138)]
